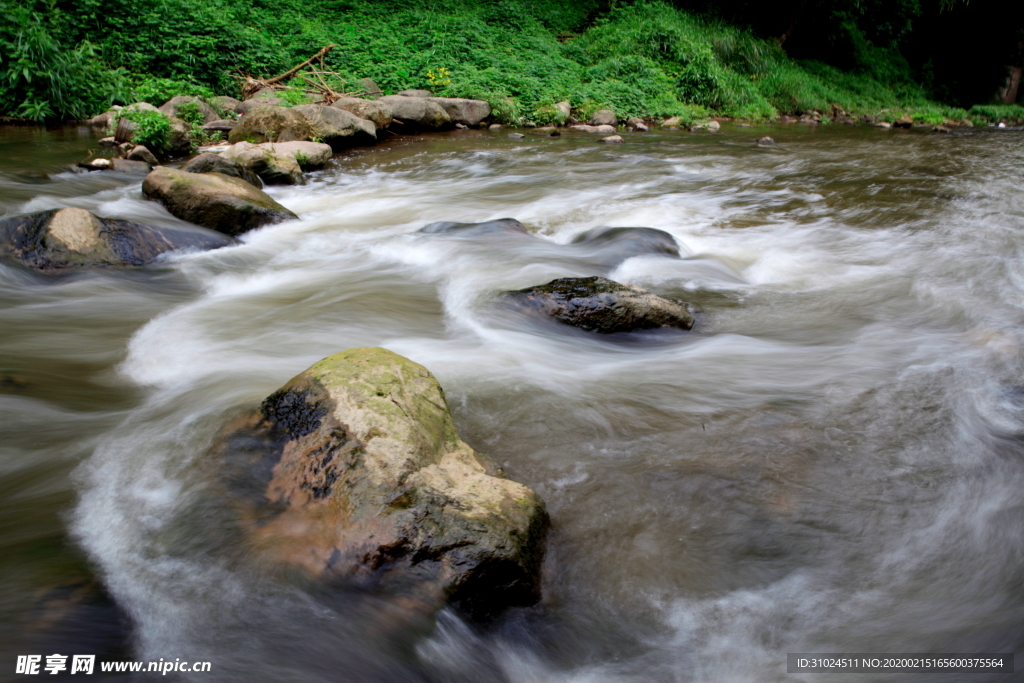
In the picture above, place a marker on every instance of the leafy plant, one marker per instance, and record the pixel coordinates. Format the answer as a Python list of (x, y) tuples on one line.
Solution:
[(152, 129), (157, 90), (293, 97), (439, 78), (302, 159)]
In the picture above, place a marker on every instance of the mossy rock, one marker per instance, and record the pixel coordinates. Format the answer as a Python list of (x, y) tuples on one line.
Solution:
[(354, 473), (597, 304), (62, 239), (213, 200)]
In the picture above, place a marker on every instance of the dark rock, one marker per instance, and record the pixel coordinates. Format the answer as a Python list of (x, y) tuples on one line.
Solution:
[(353, 475), (600, 305), (602, 248), (903, 122), (941, 129), (74, 238), (78, 617), (624, 243), (766, 142), (214, 163), (495, 227), (516, 136), (213, 200)]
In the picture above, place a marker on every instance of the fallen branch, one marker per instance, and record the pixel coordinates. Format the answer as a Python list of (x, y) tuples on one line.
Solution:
[(253, 85)]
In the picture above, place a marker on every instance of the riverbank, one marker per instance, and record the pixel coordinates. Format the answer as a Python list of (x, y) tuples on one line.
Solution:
[(645, 59)]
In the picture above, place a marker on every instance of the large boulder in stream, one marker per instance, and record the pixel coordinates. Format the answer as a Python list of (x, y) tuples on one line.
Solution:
[(353, 473), (417, 112), (213, 200), (597, 304), (271, 124), (73, 238)]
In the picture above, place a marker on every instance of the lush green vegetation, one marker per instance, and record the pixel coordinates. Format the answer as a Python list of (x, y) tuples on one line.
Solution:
[(73, 58)]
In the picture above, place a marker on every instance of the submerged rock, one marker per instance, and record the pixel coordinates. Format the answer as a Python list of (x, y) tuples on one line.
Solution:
[(354, 473), (73, 238), (596, 248), (213, 200), (597, 304)]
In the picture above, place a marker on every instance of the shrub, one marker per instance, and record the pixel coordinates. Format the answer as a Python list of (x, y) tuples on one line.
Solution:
[(152, 129)]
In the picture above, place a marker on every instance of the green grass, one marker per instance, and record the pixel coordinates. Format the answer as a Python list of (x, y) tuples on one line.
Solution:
[(644, 58)]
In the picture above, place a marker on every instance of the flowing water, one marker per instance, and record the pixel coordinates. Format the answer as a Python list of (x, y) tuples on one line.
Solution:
[(832, 461)]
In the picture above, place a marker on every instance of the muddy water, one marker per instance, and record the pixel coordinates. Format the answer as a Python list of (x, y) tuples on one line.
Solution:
[(830, 462)]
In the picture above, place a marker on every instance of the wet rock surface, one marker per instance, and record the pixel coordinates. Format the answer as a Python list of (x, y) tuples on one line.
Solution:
[(74, 238), (597, 304), (353, 474), (213, 200)]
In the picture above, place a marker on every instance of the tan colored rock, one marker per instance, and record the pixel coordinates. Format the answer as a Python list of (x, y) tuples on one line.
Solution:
[(418, 112), (707, 127), (354, 473), (271, 124), (371, 110), (672, 122), (142, 153), (337, 127), (272, 168), (213, 200), (613, 139), (587, 128), (603, 117), (467, 112), (308, 155)]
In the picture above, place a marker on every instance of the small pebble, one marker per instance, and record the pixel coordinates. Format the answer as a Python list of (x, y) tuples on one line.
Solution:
[(516, 136)]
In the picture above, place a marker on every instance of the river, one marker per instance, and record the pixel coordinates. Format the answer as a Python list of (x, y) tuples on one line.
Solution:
[(831, 461)]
